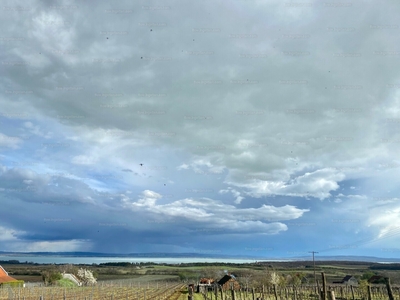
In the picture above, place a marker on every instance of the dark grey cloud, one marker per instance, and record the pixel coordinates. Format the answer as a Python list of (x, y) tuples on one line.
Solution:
[(225, 104)]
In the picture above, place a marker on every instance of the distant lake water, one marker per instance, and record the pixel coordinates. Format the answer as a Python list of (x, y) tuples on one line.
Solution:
[(98, 260), (42, 259)]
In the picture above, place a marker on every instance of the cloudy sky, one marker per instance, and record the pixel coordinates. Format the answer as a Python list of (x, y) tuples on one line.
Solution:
[(249, 127)]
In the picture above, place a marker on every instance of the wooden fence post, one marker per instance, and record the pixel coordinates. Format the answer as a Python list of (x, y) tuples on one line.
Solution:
[(317, 292), (369, 292), (252, 291), (275, 293), (389, 288), (323, 286), (352, 292), (332, 295), (190, 291), (233, 294)]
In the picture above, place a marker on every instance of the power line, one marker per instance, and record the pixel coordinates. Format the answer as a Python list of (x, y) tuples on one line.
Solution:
[(391, 233), (315, 277)]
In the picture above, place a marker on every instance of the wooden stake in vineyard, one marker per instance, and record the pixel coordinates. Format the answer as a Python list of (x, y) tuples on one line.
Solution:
[(369, 292), (352, 292), (323, 286), (332, 295), (190, 290), (389, 288), (222, 292)]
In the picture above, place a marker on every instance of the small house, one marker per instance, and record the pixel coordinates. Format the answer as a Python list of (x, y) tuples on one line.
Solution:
[(348, 280), (205, 284), (6, 279), (229, 282)]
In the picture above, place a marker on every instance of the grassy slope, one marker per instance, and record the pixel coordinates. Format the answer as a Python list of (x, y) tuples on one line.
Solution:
[(333, 271), (65, 283)]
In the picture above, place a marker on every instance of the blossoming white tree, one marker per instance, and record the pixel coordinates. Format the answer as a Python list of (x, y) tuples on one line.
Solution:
[(86, 277), (274, 278)]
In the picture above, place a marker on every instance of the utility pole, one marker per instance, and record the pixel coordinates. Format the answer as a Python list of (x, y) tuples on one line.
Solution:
[(315, 277)]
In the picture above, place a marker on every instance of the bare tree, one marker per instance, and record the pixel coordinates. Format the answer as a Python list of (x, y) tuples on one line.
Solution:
[(245, 278), (68, 268), (213, 273)]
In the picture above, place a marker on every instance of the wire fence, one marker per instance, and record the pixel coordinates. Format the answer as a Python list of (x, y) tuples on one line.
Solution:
[(304, 292), (114, 290)]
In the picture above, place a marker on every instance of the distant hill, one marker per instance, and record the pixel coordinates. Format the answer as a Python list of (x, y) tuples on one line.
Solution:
[(131, 255), (349, 258), (141, 255), (203, 255)]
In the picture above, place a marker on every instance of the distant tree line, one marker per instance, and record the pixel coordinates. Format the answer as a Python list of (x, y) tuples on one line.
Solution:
[(118, 264), (16, 262), (385, 267)]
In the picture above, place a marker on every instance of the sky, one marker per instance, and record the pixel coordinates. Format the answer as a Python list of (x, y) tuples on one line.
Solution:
[(240, 127)]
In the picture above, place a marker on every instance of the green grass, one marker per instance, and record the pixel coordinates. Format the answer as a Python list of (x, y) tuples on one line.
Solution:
[(65, 283), (185, 294), (221, 266), (146, 278), (339, 267)]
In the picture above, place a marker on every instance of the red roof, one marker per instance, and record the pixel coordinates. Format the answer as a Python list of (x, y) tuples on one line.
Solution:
[(4, 276), (206, 280)]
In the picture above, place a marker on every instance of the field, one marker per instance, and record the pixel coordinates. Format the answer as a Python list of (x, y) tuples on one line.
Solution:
[(305, 293), (178, 291), (334, 270), (103, 290), (169, 282)]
